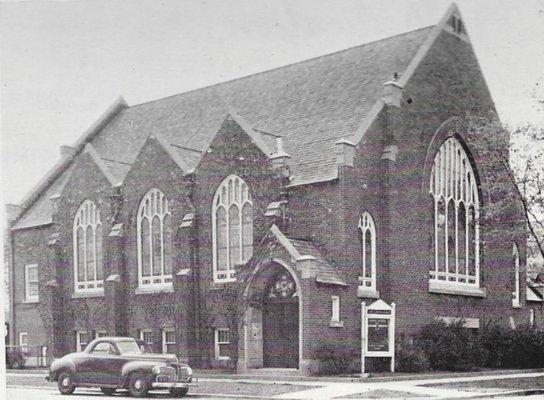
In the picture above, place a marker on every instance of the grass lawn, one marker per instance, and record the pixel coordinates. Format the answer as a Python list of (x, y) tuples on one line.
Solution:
[(503, 383)]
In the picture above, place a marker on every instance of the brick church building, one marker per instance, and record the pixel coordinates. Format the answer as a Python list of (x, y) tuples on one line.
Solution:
[(345, 178)]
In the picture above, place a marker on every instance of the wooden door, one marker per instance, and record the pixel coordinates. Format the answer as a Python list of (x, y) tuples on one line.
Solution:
[(280, 334)]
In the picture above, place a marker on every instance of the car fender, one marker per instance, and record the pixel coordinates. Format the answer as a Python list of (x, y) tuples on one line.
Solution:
[(61, 364), (143, 366)]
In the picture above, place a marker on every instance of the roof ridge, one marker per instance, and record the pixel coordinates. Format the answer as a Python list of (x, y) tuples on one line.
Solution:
[(281, 67)]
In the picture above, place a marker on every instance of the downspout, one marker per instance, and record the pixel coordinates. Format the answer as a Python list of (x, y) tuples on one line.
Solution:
[(12, 288)]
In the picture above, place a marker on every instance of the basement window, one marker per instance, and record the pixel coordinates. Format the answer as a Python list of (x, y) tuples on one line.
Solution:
[(222, 342), (168, 341), (82, 340)]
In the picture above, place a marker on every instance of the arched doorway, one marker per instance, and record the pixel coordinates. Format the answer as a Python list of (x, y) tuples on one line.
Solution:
[(273, 323), (280, 322)]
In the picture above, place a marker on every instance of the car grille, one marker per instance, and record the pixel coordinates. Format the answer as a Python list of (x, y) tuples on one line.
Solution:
[(164, 378), (182, 374)]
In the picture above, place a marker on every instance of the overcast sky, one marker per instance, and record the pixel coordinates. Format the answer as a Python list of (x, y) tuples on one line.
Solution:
[(63, 63)]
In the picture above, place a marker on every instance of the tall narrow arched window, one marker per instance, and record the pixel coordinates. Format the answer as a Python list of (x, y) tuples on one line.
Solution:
[(232, 225), (456, 213), (154, 235), (87, 239), (367, 239), (516, 292)]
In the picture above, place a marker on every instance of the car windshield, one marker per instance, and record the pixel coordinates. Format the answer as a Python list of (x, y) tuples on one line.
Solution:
[(128, 346)]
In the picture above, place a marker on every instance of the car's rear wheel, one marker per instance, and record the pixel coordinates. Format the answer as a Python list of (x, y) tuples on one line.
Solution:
[(138, 385), (178, 392), (108, 391), (65, 383)]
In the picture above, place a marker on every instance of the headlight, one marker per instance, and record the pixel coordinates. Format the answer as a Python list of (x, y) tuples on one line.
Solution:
[(189, 371), (163, 370)]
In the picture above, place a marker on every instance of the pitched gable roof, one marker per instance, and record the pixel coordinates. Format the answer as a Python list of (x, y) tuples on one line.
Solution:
[(310, 105), (304, 250), (41, 211)]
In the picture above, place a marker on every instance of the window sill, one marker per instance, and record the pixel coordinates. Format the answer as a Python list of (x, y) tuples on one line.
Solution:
[(368, 293), (31, 301), (336, 324), (226, 280), (82, 295), (150, 289), (457, 289)]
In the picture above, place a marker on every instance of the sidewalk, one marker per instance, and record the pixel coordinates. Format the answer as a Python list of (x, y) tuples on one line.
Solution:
[(390, 386)]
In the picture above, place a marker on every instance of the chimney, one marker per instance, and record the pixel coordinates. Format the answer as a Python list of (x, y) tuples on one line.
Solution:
[(392, 93), (345, 153), (280, 157)]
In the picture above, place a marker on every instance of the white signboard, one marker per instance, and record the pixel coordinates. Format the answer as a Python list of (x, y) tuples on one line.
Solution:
[(378, 331)]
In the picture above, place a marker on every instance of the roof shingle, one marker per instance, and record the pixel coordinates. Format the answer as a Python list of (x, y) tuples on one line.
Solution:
[(310, 104)]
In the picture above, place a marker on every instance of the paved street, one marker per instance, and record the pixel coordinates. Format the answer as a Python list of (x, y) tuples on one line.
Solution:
[(33, 386)]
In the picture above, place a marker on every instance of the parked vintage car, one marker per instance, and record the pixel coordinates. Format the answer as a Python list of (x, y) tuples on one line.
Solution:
[(112, 363)]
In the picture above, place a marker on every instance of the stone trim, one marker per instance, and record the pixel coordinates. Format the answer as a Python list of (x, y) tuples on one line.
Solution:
[(456, 289)]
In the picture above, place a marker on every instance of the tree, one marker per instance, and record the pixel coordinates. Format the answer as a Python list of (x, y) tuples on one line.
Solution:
[(513, 168)]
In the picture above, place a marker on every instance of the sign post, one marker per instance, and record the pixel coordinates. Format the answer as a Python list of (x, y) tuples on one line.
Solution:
[(377, 332)]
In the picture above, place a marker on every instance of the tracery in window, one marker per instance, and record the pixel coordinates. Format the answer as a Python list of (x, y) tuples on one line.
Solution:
[(154, 233), (367, 239), (232, 221), (456, 212), (87, 233)]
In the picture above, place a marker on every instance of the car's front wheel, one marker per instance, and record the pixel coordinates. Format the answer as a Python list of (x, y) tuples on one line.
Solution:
[(178, 392), (65, 383), (108, 391), (138, 385)]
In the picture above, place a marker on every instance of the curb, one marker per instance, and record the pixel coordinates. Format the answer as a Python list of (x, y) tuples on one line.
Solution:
[(370, 378)]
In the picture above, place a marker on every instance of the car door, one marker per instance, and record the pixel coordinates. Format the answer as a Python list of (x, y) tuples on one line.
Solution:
[(113, 365), (92, 369), (102, 365)]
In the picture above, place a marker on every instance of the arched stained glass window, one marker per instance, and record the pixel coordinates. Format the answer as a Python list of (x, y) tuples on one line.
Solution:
[(232, 229), (456, 212), (367, 237), (154, 233), (87, 239)]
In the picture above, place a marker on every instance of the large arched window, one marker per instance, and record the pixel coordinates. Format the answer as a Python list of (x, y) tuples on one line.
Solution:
[(154, 233), (232, 225), (367, 239), (516, 292), (87, 235), (455, 217)]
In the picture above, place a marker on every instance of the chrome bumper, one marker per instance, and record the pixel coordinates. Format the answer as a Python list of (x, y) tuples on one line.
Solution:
[(171, 385)]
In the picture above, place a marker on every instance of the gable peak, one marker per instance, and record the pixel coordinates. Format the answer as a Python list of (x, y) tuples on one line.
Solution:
[(452, 22)]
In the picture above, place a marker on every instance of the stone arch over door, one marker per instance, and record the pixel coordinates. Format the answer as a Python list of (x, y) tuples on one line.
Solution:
[(274, 324)]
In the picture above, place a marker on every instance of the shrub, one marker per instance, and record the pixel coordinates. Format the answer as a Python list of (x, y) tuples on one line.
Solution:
[(411, 359), (496, 340), (334, 360), (450, 347)]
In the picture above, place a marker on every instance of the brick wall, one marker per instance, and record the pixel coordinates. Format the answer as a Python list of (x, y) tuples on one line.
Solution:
[(447, 84)]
